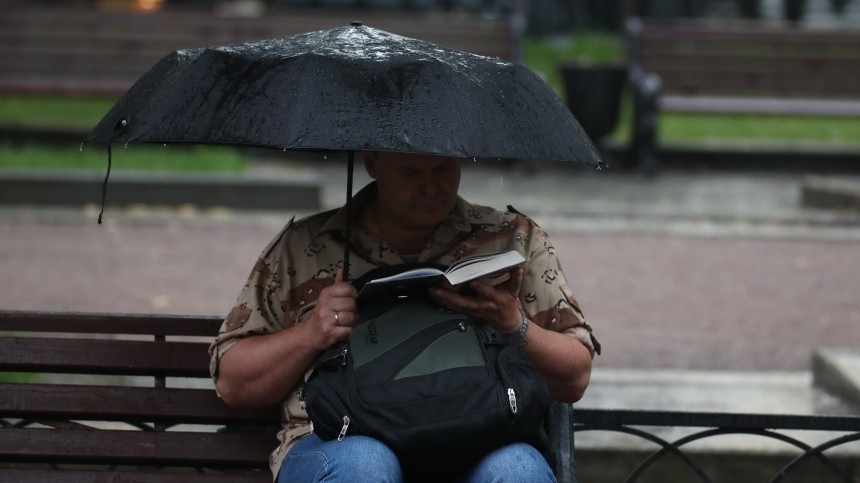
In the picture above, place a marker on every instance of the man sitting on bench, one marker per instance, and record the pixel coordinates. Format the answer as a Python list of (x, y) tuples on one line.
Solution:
[(296, 305)]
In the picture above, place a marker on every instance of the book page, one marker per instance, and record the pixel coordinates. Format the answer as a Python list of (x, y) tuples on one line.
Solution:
[(418, 280), (485, 265), (404, 283), (410, 274)]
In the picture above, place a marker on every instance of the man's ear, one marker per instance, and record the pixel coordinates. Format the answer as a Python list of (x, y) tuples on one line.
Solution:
[(370, 158)]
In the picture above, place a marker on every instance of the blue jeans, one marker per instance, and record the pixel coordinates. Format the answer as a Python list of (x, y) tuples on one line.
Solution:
[(363, 459)]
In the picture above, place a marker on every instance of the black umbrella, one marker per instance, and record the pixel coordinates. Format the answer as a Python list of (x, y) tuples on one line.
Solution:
[(347, 89)]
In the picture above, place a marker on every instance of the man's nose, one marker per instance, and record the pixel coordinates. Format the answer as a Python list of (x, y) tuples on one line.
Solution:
[(429, 184)]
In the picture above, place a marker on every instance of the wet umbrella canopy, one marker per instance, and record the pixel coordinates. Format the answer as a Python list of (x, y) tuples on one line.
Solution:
[(348, 89)]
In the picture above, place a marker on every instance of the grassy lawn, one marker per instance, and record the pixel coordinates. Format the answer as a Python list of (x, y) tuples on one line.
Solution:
[(133, 158), (762, 131), (18, 377), (83, 113), (545, 55), (53, 111)]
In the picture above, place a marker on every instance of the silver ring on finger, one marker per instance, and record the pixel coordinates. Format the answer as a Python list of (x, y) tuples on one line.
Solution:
[(336, 318)]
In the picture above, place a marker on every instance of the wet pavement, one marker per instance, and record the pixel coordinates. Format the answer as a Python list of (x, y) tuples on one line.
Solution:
[(685, 276)]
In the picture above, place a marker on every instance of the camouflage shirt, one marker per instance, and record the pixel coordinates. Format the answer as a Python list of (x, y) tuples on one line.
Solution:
[(304, 257)]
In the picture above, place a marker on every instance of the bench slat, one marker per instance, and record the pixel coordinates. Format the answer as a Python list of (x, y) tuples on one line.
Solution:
[(131, 404), (85, 476), (104, 356), (83, 446), (772, 106), (748, 59), (195, 25), (95, 323), (129, 43)]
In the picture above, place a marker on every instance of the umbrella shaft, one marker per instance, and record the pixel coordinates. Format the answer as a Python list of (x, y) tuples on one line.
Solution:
[(348, 207)]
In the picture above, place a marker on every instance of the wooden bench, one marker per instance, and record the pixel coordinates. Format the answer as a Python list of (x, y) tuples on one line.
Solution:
[(121, 398), (108, 397), (738, 68), (102, 52)]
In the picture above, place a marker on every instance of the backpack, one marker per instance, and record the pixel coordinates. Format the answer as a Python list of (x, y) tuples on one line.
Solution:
[(438, 388)]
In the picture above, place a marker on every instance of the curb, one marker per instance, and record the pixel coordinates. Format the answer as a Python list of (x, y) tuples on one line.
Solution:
[(302, 191), (831, 193), (838, 371)]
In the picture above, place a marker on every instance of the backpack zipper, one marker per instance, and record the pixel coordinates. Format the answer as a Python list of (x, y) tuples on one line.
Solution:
[(343, 354), (512, 400), (343, 429)]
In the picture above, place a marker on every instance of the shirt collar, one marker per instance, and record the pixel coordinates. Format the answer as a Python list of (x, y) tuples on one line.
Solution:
[(337, 223)]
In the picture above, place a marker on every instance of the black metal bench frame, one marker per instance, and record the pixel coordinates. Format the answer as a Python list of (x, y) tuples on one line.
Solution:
[(705, 425)]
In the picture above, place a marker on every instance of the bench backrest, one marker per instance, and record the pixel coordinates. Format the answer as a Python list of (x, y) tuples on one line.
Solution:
[(121, 392), (748, 59), (86, 51)]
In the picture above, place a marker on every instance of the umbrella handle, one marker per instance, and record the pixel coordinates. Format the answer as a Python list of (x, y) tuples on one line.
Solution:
[(104, 185), (348, 208)]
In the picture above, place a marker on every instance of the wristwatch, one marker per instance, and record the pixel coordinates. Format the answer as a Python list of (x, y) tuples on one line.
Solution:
[(524, 326)]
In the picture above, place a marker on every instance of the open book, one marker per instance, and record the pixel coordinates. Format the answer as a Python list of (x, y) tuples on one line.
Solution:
[(486, 265)]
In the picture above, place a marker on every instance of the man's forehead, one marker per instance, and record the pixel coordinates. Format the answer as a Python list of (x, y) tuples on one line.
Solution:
[(414, 159)]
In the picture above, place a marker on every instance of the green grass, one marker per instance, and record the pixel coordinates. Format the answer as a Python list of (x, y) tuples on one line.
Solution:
[(53, 111), (135, 157), (760, 130), (83, 113), (587, 48), (18, 377)]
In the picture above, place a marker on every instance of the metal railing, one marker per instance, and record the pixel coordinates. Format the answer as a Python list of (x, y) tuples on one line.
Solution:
[(646, 425)]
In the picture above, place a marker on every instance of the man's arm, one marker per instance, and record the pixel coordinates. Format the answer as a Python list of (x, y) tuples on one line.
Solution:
[(563, 360), (261, 370)]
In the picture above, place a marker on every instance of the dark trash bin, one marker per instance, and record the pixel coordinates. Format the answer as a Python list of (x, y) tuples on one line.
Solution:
[(594, 96), (672, 8), (794, 10)]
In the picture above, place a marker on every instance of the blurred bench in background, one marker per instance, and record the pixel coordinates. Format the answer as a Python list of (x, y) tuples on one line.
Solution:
[(738, 68), (102, 52)]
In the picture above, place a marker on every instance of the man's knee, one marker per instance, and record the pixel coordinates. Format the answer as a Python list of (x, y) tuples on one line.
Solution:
[(355, 459), (517, 462), (368, 459)]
